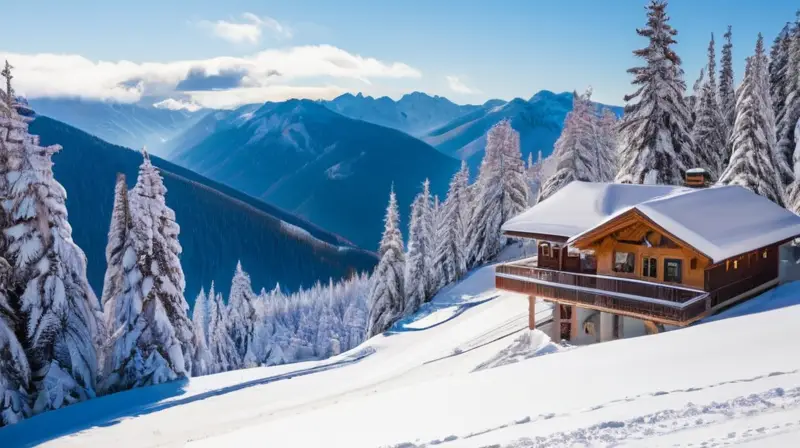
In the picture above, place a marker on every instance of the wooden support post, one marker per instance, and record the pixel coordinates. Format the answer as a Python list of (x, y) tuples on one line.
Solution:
[(555, 329), (531, 312)]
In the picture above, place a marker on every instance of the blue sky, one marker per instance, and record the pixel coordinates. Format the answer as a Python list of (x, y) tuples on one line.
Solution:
[(467, 50)]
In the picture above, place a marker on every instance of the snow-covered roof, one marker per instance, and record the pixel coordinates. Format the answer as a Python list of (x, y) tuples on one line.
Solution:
[(580, 206), (696, 171), (720, 222)]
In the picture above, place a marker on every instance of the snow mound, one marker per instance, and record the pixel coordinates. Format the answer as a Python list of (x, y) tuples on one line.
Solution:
[(530, 344)]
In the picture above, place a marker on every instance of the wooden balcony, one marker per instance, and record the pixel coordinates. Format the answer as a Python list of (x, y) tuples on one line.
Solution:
[(666, 304)]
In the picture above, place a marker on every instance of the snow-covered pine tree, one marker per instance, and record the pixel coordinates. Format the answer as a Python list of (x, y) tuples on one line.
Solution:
[(778, 73), (416, 270), (753, 163), (167, 337), (115, 247), (56, 306), (429, 210), (727, 94), (656, 139), (242, 317), (202, 362), (574, 149), (693, 99), (533, 176), (790, 112), (607, 147), (484, 239), (220, 344), (793, 190), (386, 295), (15, 373), (449, 261), (709, 128), (512, 166)]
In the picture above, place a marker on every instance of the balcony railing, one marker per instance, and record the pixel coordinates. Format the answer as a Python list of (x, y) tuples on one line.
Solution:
[(664, 303)]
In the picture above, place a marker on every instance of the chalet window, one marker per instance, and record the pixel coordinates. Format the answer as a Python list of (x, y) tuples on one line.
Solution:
[(764, 255), (624, 262), (545, 250), (736, 264), (650, 267), (672, 270), (573, 252)]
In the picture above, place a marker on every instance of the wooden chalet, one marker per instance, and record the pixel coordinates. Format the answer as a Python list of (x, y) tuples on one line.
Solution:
[(613, 257)]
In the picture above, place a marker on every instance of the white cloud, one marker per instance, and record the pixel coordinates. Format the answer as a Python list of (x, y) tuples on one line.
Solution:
[(456, 85), (229, 99), (249, 30), (173, 104), (58, 75)]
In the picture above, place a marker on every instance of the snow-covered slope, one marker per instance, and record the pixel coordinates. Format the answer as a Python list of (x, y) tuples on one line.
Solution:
[(734, 380)]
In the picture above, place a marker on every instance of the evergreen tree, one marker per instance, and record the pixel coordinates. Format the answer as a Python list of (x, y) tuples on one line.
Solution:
[(202, 362), (166, 339), (417, 268), (656, 138), (449, 262), (778, 73), (57, 310), (727, 95), (575, 151), (220, 344), (793, 190), (533, 175), (15, 373), (500, 194), (788, 115), (709, 129), (386, 295), (607, 147), (512, 173), (242, 317), (427, 247), (753, 163)]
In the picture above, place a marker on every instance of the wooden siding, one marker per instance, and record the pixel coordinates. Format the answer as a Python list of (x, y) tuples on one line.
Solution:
[(691, 277)]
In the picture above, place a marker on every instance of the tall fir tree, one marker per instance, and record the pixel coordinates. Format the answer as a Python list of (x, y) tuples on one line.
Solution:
[(709, 128), (122, 360), (607, 146), (778, 73), (499, 194), (202, 362), (449, 262), (656, 140), (727, 93), (787, 116), (15, 373), (429, 211), (753, 163), (57, 310), (242, 317), (220, 345), (417, 268), (386, 295), (168, 335)]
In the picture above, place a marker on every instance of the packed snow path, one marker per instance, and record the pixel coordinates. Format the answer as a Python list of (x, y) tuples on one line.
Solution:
[(729, 381)]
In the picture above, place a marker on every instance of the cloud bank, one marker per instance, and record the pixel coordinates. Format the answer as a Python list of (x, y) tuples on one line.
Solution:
[(275, 74)]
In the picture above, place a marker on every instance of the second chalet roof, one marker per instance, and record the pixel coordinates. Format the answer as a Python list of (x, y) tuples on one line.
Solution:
[(720, 222), (579, 206)]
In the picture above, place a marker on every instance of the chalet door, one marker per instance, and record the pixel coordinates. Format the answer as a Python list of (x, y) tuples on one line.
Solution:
[(566, 322)]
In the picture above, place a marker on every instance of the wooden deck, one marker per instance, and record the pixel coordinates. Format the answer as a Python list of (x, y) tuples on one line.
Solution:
[(657, 302)]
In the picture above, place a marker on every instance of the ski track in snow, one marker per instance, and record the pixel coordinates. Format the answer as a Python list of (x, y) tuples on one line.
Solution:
[(644, 427)]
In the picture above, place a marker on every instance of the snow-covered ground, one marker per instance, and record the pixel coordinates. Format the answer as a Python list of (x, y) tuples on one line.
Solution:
[(731, 381)]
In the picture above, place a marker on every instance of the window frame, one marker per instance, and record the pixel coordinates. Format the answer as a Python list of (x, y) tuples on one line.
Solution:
[(546, 250), (631, 256), (680, 270), (650, 264)]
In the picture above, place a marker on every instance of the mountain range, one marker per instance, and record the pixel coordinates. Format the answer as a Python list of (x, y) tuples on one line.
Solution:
[(301, 156), (219, 225), (129, 125)]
